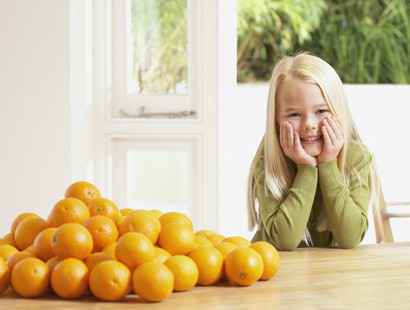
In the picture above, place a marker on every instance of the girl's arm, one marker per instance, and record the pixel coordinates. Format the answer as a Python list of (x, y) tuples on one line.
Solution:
[(346, 206), (283, 224)]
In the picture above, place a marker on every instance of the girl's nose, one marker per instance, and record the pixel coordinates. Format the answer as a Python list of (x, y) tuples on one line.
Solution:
[(311, 125), (312, 122)]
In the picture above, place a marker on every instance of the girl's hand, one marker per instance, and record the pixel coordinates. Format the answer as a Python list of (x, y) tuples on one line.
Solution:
[(333, 140), (292, 147)]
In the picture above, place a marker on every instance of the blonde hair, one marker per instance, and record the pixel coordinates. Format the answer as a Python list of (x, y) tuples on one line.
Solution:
[(280, 171)]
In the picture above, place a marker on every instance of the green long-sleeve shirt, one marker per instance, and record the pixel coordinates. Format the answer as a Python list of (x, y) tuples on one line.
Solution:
[(317, 192)]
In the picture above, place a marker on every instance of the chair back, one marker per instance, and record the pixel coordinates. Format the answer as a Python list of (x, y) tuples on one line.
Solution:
[(381, 219)]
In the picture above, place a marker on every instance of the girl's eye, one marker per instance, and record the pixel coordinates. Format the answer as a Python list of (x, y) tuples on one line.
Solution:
[(321, 111), (293, 115)]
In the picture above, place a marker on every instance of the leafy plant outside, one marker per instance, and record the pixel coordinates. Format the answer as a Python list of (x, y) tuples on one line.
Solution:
[(366, 41)]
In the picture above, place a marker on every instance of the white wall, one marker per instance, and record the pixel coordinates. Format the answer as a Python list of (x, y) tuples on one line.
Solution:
[(83, 114), (34, 106), (241, 126)]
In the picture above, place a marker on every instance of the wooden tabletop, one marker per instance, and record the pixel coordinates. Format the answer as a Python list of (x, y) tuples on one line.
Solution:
[(369, 277)]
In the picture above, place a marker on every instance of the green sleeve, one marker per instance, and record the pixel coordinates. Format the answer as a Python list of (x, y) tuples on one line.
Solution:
[(346, 205), (283, 223)]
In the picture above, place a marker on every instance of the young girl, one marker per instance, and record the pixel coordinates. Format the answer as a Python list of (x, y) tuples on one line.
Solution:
[(312, 176)]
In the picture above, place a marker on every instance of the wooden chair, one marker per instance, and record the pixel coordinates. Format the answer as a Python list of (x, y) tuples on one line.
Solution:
[(382, 216)]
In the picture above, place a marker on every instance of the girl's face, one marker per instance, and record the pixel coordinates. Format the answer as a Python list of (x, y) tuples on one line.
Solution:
[(303, 106)]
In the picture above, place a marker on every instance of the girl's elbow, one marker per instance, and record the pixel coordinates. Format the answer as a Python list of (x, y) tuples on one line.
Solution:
[(288, 247), (286, 244), (348, 243), (351, 241), (284, 236)]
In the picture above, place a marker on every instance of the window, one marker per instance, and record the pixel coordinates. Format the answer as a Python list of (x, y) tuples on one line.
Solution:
[(153, 172), (366, 41), (158, 47), (153, 59)]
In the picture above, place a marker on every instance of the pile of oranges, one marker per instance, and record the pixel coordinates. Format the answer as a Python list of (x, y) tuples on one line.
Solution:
[(87, 245)]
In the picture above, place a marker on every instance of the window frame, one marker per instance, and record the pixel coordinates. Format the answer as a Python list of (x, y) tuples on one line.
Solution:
[(121, 100)]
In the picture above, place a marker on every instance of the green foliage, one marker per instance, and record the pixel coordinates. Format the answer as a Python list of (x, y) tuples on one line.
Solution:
[(159, 31), (366, 41), (270, 29)]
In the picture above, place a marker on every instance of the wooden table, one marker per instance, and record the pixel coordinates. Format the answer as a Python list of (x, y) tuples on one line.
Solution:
[(369, 277)]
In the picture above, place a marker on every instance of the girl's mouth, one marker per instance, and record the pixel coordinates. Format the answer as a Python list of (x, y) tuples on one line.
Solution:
[(311, 140)]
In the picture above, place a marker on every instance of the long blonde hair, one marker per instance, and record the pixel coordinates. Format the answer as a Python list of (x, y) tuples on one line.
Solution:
[(280, 171)]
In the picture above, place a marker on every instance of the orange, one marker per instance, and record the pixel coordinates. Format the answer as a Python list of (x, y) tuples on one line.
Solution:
[(72, 240), (134, 249), (8, 239), (209, 262), (238, 240), (16, 257), (110, 280), (106, 207), (153, 281), (96, 258), (6, 251), (118, 222), (85, 191), (184, 270), (216, 239), (243, 266), (118, 218), (201, 240), (126, 211), (270, 257), (110, 250), (52, 262), (156, 213), (143, 222), (225, 248), (19, 218), (31, 250), (4, 276), (27, 230), (161, 255), (175, 217), (103, 230), (69, 278), (68, 210), (205, 232), (30, 277), (177, 239), (42, 244)]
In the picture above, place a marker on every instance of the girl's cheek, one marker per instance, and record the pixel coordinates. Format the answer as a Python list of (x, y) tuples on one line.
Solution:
[(322, 118), (326, 115), (295, 124)]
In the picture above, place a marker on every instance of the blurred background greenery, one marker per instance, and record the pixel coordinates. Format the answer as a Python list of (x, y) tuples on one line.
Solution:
[(366, 41), (159, 46)]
